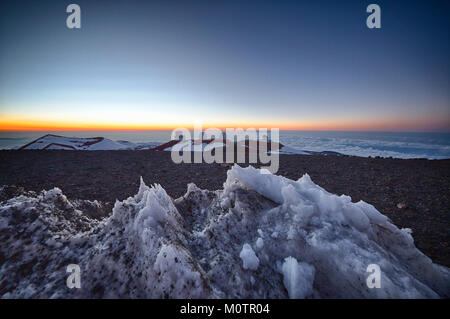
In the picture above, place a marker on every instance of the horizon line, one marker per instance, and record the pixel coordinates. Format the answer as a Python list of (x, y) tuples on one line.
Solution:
[(53, 130)]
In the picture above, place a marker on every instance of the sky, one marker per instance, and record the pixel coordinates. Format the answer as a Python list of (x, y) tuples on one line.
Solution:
[(310, 65)]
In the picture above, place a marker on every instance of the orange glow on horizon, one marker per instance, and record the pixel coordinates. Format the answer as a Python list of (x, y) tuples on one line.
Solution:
[(27, 124)]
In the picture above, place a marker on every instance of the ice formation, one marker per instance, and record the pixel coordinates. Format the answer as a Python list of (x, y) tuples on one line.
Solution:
[(298, 278), (249, 259), (259, 243), (308, 243)]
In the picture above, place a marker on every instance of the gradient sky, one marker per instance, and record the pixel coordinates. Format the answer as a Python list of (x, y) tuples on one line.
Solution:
[(163, 64)]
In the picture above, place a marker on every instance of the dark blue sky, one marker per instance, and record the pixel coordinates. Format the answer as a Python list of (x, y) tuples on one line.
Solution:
[(292, 64)]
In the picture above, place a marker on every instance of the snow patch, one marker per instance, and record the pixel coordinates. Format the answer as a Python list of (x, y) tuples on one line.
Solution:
[(249, 259), (309, 243), (56, 142)]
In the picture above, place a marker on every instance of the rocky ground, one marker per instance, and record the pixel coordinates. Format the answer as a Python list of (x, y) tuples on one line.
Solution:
[(412, 193)]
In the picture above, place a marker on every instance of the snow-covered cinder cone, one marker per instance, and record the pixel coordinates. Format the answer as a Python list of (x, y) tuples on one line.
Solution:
[(262, 236)]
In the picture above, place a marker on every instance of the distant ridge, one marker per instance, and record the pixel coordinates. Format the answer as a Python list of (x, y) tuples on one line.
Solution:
[(90, 141), (57, 142)]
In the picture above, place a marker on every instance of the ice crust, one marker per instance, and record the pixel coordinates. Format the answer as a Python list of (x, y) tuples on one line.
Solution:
[(262, 236)]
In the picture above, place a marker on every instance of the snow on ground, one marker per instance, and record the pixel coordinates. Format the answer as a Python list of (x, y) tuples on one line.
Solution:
[(55, 142), (193, 146), (208, 244)]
